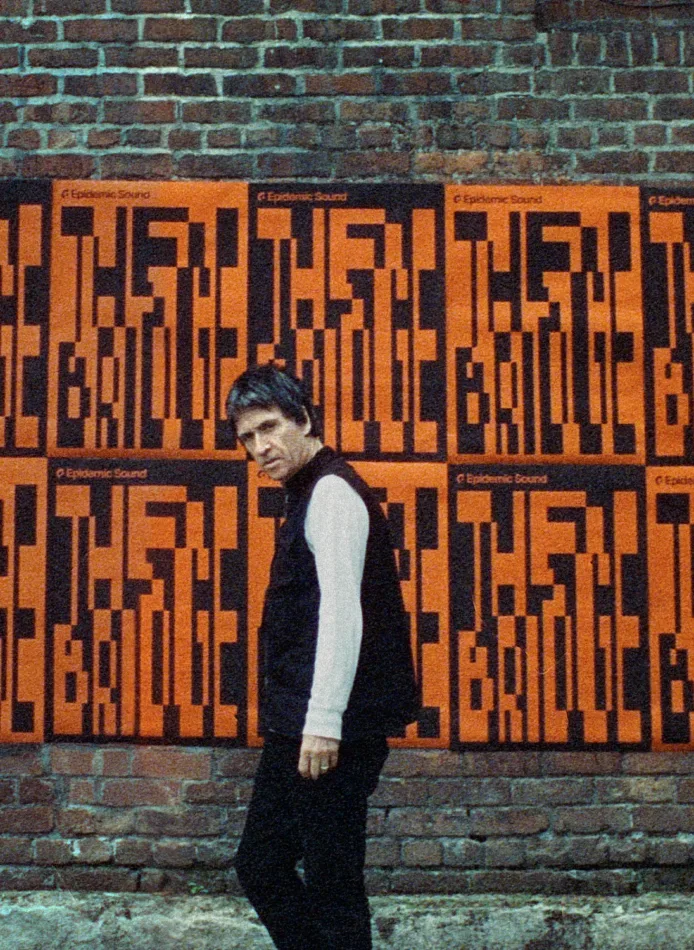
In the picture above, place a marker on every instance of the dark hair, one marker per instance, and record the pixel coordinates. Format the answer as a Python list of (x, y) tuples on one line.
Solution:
[(266, 387)]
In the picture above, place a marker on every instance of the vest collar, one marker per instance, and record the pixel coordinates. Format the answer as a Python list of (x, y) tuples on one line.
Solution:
[(295, 485)]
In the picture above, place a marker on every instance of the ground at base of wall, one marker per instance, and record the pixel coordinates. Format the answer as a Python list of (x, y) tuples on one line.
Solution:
[(69, 921)]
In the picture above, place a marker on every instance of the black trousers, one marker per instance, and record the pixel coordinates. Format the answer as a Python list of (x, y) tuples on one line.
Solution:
[(323, 822)]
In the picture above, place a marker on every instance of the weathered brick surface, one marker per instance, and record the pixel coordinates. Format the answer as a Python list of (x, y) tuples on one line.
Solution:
[(350, 89), (374, 90)]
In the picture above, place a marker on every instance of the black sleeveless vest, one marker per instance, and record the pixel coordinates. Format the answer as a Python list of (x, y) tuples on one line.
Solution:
[(384, 696)]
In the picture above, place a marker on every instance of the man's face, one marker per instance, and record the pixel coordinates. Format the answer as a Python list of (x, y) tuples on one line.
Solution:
[(279, 445)]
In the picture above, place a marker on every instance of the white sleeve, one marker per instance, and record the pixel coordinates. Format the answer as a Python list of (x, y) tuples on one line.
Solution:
[(336, 530)]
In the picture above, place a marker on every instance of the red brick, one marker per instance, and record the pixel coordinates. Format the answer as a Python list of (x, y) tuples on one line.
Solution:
[(646, 788), (664, 819), (418, 28), (28, 86), (591, 819), (294, 165), (172, 763), (612, 161), (27, 879), (95, 821), (248, 85), (215, 166), (71, 761), (67, 7), (62, 113), (680, 135), (68, 58), (508, 821), (133, 851), (297, 112), (82, 792), (230, 763), (463, 853), (557, 791), (16, 851), (374, 164), (382, 852), (567, 852), (215, 854), (174, 854), (9, 57), (131, 792), (580, 763), (572, 82), (180, 30), (184, 139), (212, 793), (216, 112), (306, 6), (427, 823), (106, 30), (92, 851), (680, 163), (26, 140), (62, 139), (463, 165), (611, 109), (345, 84), (27, 820), (53, 851), (505, 852), (18, 8), (133, 166), (399, 57), (256, 30), (179, 823), (36, 791), (143, 138), (135, 113), (226, 139), (339, 30), (116, 880), (379, 7), (420, 83), (375, 136), (148, 6), (8, 792), (175, 84), (300, 57), (105, 138), (654, 763), (221, 57), (532, 108), (231, 7), (422, 853), (140, 57), (97, 87), (399, 793), (37, 31)]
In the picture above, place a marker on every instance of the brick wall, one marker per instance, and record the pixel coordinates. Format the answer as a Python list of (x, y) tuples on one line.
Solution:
[(161, 819), (356, 89), (360, 90)]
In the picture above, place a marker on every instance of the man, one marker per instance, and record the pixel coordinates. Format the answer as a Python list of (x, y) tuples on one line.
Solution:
[(338, 676)]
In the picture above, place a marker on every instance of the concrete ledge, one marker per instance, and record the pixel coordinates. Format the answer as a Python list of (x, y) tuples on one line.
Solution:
[(55, 920)]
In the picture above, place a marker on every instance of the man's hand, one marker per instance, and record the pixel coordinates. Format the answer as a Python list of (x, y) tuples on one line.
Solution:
[(318, 755)]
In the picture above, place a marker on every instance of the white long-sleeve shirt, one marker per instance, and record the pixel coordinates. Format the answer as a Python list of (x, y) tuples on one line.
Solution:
[(336, 529)]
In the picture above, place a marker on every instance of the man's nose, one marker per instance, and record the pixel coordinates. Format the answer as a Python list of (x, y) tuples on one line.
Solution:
[(262, 444)]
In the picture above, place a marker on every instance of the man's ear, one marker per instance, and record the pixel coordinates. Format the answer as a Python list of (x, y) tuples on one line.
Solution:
[(306, 424)]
